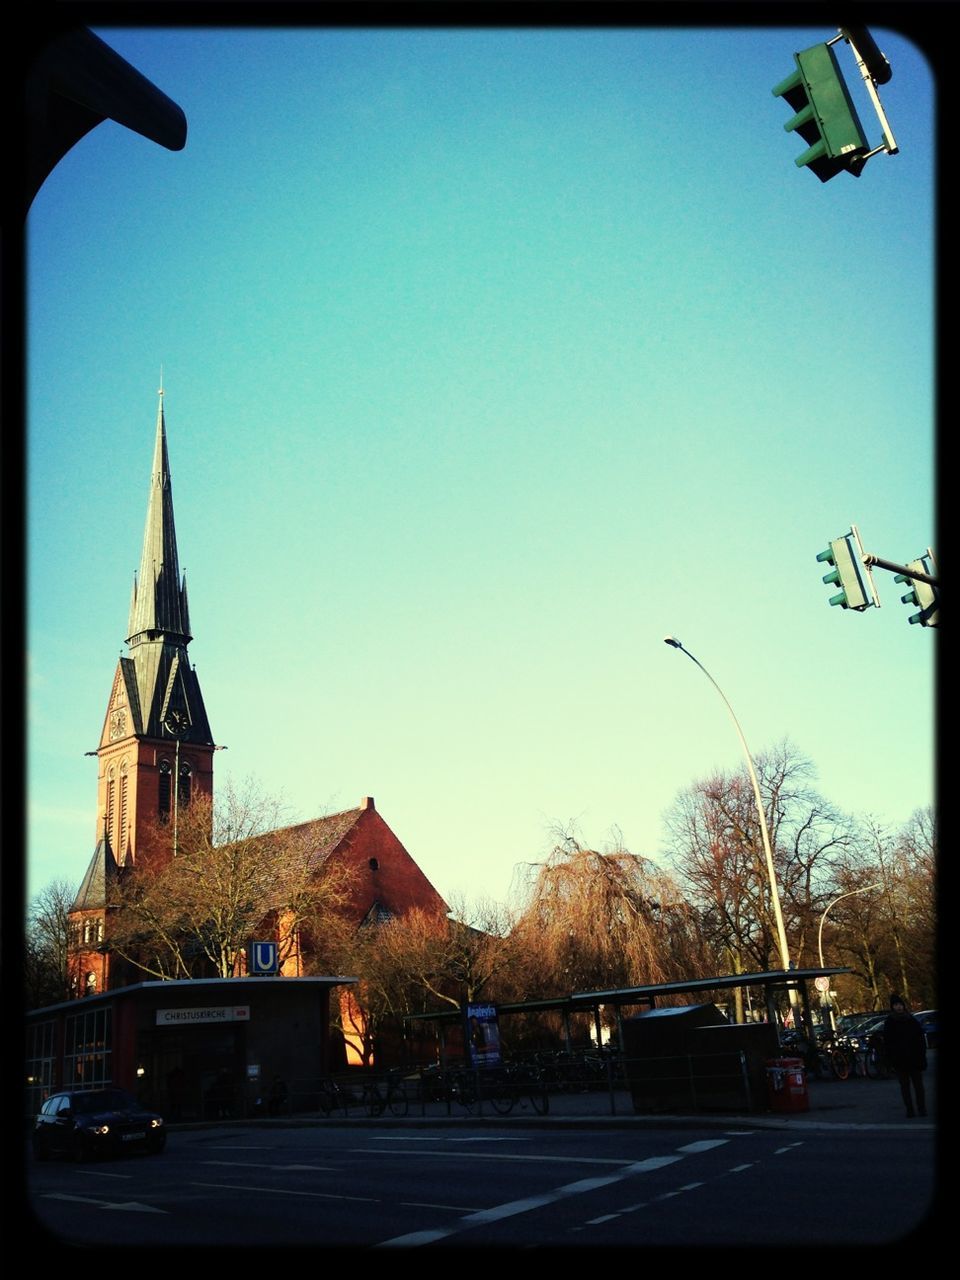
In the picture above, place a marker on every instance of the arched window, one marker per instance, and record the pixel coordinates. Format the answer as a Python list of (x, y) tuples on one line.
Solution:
[(111, 798), (124, 810), (184, 790), (163, 805)]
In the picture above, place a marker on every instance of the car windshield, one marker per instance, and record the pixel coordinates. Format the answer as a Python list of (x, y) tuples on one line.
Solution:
[(103, 1100)]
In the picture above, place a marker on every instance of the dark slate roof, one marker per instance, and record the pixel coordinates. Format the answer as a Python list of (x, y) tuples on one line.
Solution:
[(101, 873), (159, 597), (165, 679), (157, 673)]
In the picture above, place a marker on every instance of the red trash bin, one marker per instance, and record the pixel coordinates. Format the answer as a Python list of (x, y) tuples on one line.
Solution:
[(787, 1085)]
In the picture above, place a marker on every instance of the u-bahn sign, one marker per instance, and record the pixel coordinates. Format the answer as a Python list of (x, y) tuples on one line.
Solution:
[(263, 959)]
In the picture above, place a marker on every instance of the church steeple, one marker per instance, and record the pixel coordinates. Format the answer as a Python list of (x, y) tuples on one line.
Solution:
[(156, 749), (155, 742), (162, 690), (159, 605)]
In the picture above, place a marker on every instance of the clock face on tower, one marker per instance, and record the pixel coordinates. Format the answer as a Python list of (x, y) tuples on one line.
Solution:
[(177, 723), (118, 725)]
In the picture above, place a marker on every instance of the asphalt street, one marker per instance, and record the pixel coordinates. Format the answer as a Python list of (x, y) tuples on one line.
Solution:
[(850, 1170)]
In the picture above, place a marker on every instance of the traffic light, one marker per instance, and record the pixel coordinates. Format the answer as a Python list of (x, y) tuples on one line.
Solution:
[(921, 594), (847, 574), (825, 116)]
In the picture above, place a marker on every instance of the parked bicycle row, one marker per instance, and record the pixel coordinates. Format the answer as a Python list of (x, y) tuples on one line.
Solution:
[(835, 1056), (460, 1088)]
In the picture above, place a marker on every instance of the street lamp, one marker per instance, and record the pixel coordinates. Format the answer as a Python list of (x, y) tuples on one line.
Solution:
[(771, 876), (849, 894)]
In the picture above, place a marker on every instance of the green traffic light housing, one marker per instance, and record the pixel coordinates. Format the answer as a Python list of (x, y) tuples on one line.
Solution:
[(847, 574), (922, 595), (825, 116)]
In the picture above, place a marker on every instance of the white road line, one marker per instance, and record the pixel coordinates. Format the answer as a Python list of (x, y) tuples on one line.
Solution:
[(286, 1191), (425, 1204), (739, 1168), (514, 1207), (505, 1138), (132, 1206), (277, 1168), (707, 1144), (494, 1155)]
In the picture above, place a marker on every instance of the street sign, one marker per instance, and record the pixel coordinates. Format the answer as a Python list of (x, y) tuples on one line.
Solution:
[(263, 959)]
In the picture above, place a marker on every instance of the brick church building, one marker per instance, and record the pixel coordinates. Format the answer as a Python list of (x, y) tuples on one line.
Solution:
[(156, 755)]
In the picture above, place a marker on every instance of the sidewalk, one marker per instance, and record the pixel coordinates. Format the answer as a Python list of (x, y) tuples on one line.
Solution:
[(857, 1103)]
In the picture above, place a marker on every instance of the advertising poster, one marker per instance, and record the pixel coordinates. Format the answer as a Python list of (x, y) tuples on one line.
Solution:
[(483, 1035)]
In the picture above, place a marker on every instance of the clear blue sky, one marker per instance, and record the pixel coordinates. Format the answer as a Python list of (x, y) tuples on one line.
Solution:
[(490, 357)]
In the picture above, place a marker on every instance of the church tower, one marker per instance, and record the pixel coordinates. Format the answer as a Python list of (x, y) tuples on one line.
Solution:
[(156, 750)]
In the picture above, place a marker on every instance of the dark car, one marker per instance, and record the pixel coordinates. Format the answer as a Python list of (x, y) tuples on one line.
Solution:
[(929, 1019), (95, 1122)]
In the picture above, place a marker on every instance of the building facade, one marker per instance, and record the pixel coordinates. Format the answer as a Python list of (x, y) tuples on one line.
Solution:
[(155, 757)]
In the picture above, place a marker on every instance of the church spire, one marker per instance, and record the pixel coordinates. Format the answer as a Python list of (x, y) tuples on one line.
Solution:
[(158, 609), (161, 688)]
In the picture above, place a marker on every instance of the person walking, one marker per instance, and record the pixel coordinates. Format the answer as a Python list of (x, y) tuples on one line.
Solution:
[(906, 1048)]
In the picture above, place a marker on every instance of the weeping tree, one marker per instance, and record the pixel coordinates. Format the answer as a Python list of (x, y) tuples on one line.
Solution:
[(592, 919)]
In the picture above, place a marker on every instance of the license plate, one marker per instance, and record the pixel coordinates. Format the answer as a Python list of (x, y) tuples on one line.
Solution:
[(134, 1137)]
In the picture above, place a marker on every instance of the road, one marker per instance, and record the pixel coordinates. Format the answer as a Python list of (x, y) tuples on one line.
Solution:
[(424, 1186)]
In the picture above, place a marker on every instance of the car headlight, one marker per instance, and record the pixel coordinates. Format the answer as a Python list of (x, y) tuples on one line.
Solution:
[(156, 1122), (98, 1129)]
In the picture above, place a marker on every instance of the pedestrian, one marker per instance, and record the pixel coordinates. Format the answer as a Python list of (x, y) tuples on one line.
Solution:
[(905, 1045)]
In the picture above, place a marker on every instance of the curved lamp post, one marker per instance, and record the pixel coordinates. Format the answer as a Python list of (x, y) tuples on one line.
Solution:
[(839, 898), (771, 876), (826, 910)]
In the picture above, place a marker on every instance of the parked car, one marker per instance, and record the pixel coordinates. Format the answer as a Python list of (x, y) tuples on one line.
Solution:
[(929, 1019), (95, 1122), (851, 1024)]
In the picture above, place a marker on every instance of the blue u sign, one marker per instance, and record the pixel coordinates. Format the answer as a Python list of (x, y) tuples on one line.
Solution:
[(263, 958)]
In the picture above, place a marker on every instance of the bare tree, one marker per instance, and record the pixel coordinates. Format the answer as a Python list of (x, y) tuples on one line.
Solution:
[(238, 876), (421, 960), (46, 969), (717, 850), (888, 936)]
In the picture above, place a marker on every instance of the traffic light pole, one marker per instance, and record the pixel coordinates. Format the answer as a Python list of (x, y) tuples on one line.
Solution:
[(874, 69), (877, 562)]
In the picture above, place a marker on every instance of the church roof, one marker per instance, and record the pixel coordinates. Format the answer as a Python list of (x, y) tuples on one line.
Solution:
[(324, 834), (162, 687), (101, 873), (159, 601)]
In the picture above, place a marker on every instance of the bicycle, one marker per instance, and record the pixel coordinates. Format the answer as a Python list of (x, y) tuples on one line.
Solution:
[(336, 1097), (388, 1095), (516, 1083)]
